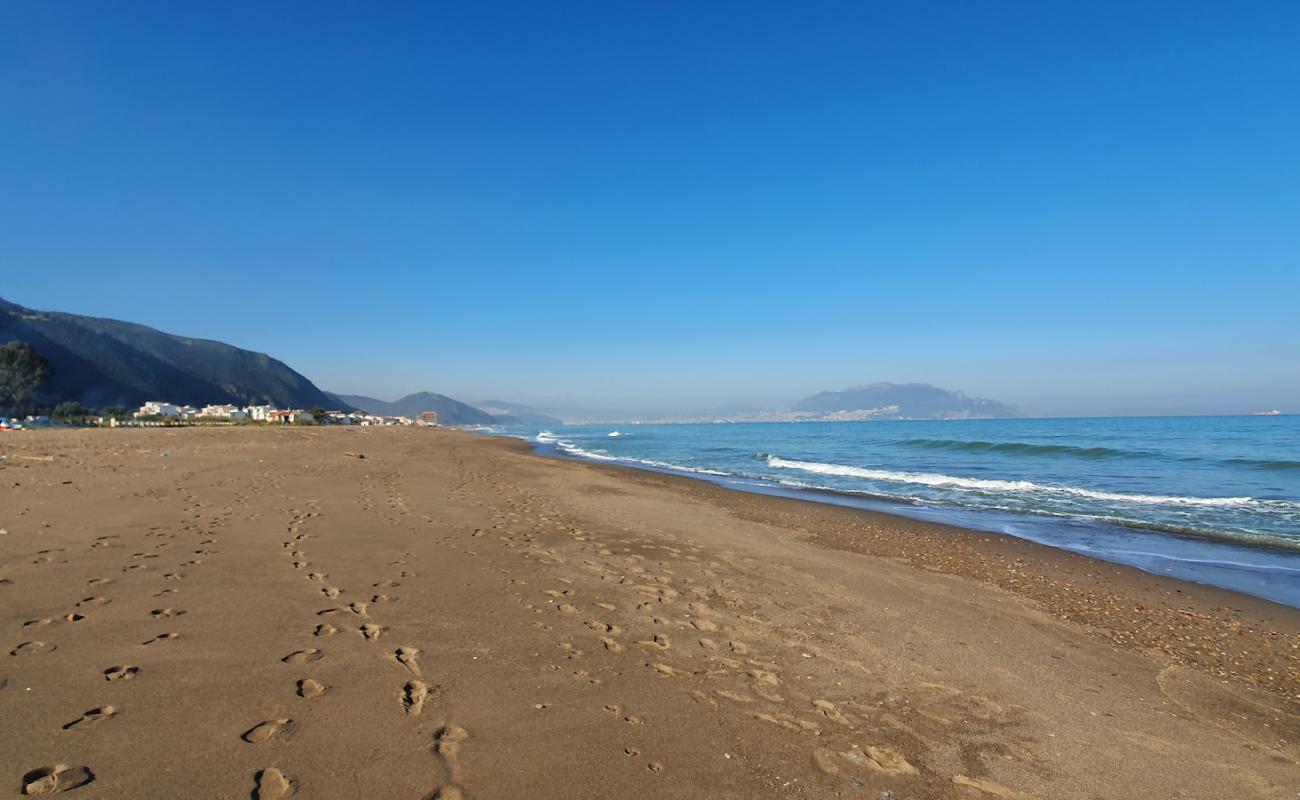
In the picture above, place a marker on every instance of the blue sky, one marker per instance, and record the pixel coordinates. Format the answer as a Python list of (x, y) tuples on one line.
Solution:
[(1079, 208)]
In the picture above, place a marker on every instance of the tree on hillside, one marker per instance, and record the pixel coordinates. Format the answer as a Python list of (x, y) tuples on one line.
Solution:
[(71, 409), (116, 412), (24, 374)]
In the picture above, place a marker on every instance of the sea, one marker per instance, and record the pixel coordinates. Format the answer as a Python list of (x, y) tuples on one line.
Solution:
[(1214, 500)]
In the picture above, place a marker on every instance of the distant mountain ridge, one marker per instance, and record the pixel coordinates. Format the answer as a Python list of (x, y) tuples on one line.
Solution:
[(450, 412), (517, 413), (903, 401), (102, 362)]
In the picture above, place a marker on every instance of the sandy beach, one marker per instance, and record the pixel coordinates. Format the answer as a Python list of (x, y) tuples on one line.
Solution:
[(405, 613)]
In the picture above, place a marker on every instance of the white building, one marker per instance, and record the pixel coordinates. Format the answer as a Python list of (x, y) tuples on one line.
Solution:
[(223, 412), (290, 415), (157, 408), (259, 413)]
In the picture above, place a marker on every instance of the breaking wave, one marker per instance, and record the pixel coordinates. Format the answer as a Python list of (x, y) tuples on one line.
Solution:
[(565, 446), (1013, 487)]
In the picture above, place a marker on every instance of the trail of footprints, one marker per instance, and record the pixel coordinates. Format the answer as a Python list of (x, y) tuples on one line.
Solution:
[(732, 651), (413, 694), (726, 659), (58, 778)]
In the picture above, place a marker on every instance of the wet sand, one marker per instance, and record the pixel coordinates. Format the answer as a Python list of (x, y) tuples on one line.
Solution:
[(409, 613)]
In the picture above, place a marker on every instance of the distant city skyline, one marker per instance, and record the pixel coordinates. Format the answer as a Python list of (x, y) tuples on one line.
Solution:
[(1077, 211)]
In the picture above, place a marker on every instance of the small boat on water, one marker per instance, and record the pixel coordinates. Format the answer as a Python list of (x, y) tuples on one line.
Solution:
[(1273, 413)]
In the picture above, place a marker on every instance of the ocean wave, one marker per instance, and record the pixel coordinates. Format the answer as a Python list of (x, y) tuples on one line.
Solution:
[(547, 437), (1232, 535), (1025, 448), (1031, 449), (1263, 463), (1017, 487)]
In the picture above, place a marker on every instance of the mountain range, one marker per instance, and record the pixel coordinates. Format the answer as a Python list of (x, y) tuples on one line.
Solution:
[(517, 413), (103, 362), (901, 401), (450, 412)]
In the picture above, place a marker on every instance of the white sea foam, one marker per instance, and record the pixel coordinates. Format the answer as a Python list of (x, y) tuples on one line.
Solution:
[(983, 484), (616, 433), (564, 445)]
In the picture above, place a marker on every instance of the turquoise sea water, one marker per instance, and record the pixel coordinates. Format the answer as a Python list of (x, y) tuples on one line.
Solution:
[(1210, 499)]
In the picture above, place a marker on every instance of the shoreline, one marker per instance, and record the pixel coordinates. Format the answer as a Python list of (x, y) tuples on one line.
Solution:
[(1127, 606), (1203, 560)]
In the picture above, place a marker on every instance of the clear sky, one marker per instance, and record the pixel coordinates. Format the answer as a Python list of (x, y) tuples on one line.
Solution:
[(1081, 208)]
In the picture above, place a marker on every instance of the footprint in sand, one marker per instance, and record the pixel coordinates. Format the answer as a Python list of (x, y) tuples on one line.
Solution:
[(162, 637), (371, 632), (407, 657), (165, 613), (657, 642), (617, 711), (33, 648), (830, 711), (414, 694), (357, 608), (704, 699), (273, 785), (91, 717), (330, 592), (56, 778), (310, 689), (303, 656), (987, 788), (885, 760), (36, 623), (92, 601), (272, 730), (446, 743), (325, 629)]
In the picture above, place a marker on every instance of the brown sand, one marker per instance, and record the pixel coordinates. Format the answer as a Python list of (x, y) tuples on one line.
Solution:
[(267, 613)]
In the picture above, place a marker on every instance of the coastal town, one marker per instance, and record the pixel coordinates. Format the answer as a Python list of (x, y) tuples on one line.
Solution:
[(159, 413), (154, 411)]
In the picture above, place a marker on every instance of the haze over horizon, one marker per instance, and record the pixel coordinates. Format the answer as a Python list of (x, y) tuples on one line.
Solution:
[(1085, 211)]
